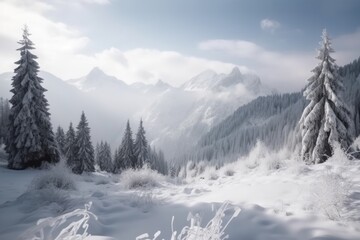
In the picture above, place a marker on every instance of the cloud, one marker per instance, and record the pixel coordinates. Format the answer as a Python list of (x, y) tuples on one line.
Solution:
[(284, 71), (63, 50), (345, 45), (269, 25), (150, 65)]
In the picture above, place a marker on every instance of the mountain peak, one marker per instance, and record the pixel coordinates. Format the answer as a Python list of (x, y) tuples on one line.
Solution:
[(235, 71), (96, 71), (161, 84)]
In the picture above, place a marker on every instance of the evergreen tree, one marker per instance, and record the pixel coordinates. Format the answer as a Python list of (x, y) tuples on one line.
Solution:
[(326, 120), (118, 164), (84, 160), (60, 140), (70, 149), (157, 161), (4, 119), (104, 156), (141, 147), (126, 158), (97, 152), (30, 139)]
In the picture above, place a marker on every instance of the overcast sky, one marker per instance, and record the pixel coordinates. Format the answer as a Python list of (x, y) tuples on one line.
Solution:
[(138, 40)]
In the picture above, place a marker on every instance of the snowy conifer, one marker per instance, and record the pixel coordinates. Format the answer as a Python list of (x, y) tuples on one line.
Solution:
[(60, 140), (4, 119), (126, 158), (30, 139), (70, 150), (326, 120), (84, 160), (141, 147), (104, 157)]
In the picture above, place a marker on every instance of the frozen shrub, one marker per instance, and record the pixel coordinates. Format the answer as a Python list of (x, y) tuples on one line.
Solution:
[(58, 177), (212, 175), (229, 172), (70, 226), (140, 178), (214, 230), (330, 194)]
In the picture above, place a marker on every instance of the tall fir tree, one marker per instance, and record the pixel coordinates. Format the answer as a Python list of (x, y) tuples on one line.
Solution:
[(4, 119), (326, 121), (30, 139), (141, 147), (104, 157), (126, 158), (70, 149), (85, 159), (60, 140)]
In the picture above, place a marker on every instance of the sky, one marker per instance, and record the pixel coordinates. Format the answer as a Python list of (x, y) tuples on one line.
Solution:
[(137, 40)]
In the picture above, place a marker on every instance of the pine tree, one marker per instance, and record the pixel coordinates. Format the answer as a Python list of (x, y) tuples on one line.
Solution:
[(70, 149), (141, 147), (104, 156), (30, 139), (326, 120), (126, 158), (60, 140), (97, 152), (4, 119), (84, 160)]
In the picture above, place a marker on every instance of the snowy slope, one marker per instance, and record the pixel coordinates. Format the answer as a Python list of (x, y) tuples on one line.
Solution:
[(183, 115), (276, 202), (271, 119)]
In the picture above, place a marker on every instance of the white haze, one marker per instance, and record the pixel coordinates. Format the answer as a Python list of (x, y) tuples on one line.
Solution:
[(174, 117)]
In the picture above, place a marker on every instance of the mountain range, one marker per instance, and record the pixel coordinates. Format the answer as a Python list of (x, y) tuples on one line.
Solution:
[(175, 117)]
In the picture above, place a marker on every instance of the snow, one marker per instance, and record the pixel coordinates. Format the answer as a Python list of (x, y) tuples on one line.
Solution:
[(279, 198)]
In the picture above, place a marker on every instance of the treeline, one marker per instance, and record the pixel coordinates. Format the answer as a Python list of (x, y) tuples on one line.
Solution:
[(77, 148), (271, 119)]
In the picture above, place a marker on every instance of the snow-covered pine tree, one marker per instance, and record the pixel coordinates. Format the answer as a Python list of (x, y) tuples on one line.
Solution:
[(326, 121), (126, 158), (85, 159), (118, 164), (70, 149), (30, 139), (157, 161), (105, 160), (4, 119), (60, 140), (97, 152), (141, 147)]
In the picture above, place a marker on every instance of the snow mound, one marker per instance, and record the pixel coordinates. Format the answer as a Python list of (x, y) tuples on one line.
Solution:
[(140, 178)]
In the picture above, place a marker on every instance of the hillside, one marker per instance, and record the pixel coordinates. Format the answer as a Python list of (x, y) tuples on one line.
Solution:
[(271, 119)]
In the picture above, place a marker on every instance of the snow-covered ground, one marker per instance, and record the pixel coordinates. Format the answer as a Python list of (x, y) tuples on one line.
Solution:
[(279, 199)]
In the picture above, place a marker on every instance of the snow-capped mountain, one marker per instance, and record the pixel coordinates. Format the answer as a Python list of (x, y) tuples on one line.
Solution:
[(182, 115), (174, 118)]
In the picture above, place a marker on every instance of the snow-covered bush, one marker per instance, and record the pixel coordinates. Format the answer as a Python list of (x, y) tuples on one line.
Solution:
[(140, 178), (329, 195), (212, 174), (69, 226), (214, 230), (58, 177), (263, 159), (229, 172)]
